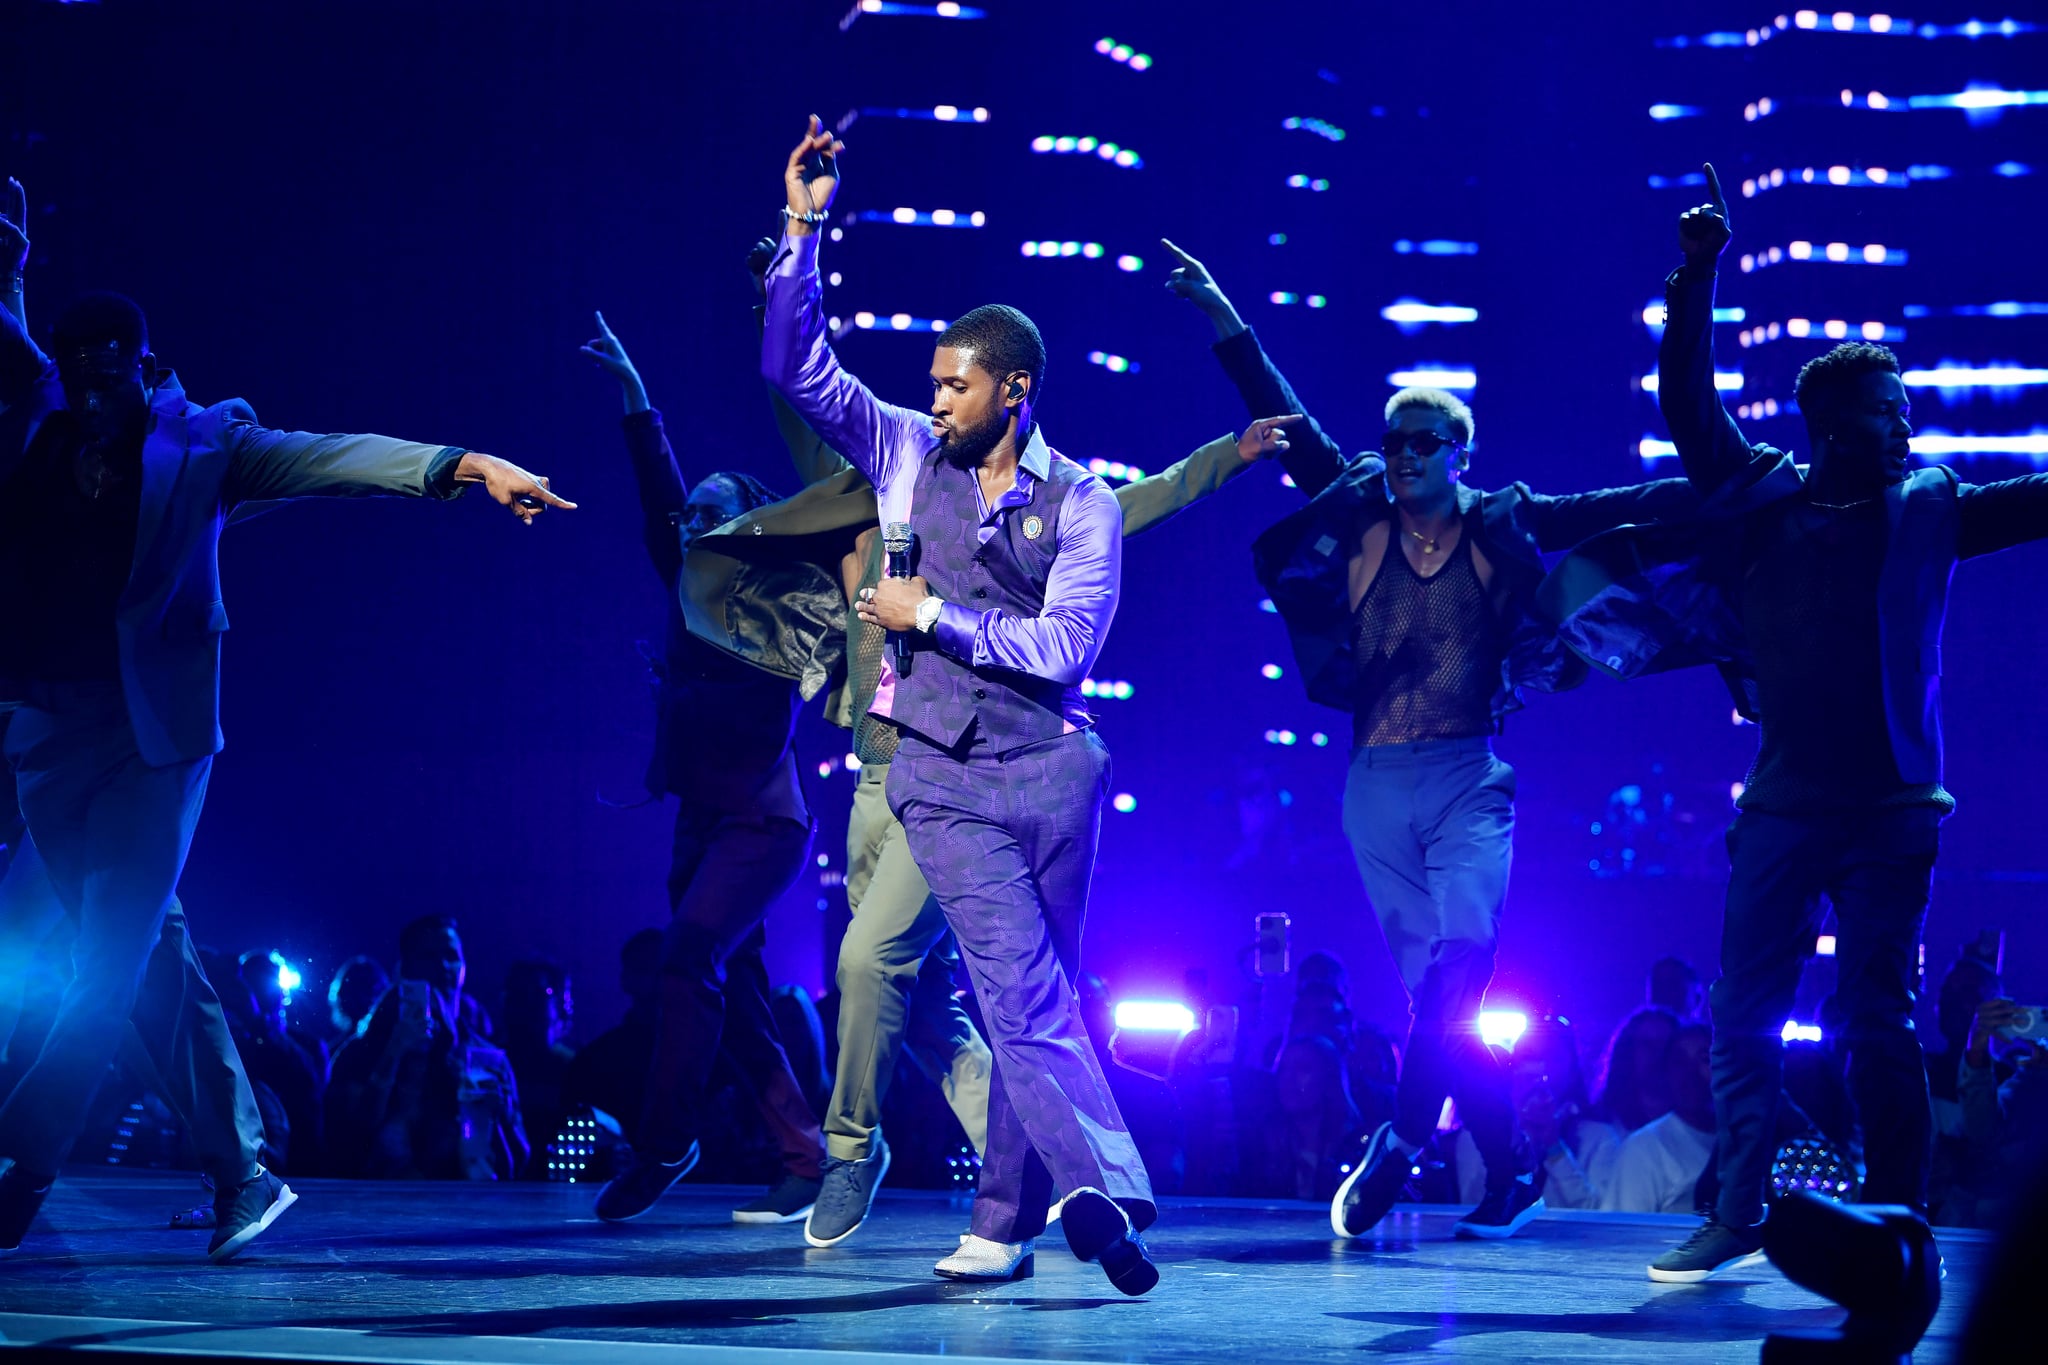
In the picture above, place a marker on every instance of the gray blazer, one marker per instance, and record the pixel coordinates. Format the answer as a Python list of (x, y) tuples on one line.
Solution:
[(198, 466)]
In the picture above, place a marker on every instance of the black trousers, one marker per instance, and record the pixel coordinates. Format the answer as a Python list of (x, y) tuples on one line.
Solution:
[(727, 871), (1875, 867)]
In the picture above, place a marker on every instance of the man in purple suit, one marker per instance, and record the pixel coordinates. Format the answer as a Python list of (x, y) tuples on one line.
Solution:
[(999, 777)]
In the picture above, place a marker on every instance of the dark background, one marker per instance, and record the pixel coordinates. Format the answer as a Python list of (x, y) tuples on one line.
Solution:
[(398, 218)]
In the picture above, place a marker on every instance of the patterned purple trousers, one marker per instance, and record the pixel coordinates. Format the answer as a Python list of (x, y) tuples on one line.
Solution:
[(1007, 842)]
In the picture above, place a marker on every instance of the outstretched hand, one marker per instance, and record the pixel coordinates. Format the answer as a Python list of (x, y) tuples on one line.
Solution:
[(1703, 232), (1265, 437), (811, 178), (510, 486), (13, 227)]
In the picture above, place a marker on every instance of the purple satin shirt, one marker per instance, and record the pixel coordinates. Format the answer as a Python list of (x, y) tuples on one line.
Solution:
[(889, 444)]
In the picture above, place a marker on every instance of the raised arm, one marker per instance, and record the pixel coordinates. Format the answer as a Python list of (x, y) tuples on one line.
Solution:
[(1314, 460), (1998, 516), (796, 357), (21, 360), (1156, 497), (659, 482), (1561, 522), (814, 460), (300, 464), (1710, 446)]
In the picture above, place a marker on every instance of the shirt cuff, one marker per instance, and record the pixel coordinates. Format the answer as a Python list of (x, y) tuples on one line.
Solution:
[(958, 631), (1236, 350), (796, 256), (441, 473)]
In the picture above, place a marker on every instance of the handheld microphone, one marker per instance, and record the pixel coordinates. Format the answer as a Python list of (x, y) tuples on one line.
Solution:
[(897, 539)]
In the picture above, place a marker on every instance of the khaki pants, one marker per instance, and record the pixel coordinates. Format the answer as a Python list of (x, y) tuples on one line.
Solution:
[(896, 974)]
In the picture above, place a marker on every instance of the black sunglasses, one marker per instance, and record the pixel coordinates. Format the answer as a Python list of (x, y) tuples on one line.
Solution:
[(1423, 443)]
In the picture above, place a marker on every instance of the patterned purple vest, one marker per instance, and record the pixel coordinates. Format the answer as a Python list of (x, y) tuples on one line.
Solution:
[(942, 696)]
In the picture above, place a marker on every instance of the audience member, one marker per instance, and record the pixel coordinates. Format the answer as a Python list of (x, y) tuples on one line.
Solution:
[(1971, 980), (1548, 1087), (609, 1074), (2004, 1120), (1634, 1088), (358, 985), (1675, 985), (420, 1093), (538, 1012), (293, 1067), (1322, 1119), (1660, 1164)]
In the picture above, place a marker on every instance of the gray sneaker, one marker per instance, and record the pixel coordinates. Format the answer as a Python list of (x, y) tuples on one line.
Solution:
[(846, 1196), (241, 1214), (1712, 1248)]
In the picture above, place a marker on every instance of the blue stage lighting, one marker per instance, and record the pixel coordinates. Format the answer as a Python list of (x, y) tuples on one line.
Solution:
[(1115, 364), (945, 9), (1437, 246), (1124, 53), (1432, 377), (942, 113), (1500, 1028), (909, 217), (1154, 1016), (1125, 803), (1725, 381), (1320, 127), (1953, 375), (1663, 112), (1303, 182), (2031, 445), (1410, 315)]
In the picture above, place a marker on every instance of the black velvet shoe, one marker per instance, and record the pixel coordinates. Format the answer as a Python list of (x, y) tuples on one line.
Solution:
[(1098, 1230)]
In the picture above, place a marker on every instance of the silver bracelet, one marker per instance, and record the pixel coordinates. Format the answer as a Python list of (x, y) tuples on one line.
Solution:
[(814, 218)]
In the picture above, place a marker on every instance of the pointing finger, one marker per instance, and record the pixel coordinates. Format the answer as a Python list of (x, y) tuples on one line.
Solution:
[(1185, 259), (543, 493), (1714, 189)]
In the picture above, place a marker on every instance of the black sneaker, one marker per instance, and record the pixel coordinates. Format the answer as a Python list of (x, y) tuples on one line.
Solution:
[(1712, 1248), (633, 1191), (242, 1213), (846, 1195), (1098, 1230), (20, 1199), (1368, 1193), (1503, 1212), (787, 1202)]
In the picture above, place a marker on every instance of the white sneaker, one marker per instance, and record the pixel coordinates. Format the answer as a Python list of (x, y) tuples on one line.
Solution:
[(980, 1259)]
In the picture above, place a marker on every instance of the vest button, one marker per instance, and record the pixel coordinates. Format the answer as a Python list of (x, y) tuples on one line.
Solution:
[(981, 694), (981, 592)]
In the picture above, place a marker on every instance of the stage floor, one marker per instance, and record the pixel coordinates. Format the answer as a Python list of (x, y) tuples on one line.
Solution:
[(523, 1273)]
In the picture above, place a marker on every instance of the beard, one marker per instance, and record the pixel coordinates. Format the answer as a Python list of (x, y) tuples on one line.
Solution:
[(969, 447)]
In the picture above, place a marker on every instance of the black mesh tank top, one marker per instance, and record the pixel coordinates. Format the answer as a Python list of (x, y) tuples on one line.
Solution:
[(1428, 651)]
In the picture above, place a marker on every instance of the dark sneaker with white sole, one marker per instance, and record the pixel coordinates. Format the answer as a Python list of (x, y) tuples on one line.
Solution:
[(1712, 1248), (634, 1190), (846, 1195), (21, 1198), (243, 1213), (788, 1202), (1098, 1230), (1375, 1183), (1502, 1213)]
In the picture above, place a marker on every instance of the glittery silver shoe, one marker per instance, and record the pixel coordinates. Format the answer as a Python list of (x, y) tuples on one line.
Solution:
[(980, 1259)]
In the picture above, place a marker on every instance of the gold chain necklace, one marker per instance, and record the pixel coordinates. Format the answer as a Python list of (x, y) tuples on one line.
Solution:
[(1428, 543)]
